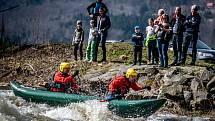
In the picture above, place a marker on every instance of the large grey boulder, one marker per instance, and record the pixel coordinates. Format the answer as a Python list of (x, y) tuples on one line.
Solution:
[(151, 71), (196, 84), (211, 83), (174, 79)]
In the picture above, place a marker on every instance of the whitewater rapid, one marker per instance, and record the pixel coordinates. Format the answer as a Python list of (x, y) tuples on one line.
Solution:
[(13, 108)]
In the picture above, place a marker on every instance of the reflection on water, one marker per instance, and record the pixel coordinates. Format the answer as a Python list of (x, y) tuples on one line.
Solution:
[(13, 108)]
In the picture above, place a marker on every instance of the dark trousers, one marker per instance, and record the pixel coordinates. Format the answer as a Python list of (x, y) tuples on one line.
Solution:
[(187, 39), (162, 49), (137, 50), (151, 51), (156, 55), (177, 47), (102, 38), (77, 47)]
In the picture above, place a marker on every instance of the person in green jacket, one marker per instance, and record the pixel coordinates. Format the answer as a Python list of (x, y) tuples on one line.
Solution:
[(91, 52), (150, 42)]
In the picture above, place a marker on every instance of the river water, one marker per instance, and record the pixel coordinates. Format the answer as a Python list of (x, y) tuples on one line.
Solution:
[(14, 108)]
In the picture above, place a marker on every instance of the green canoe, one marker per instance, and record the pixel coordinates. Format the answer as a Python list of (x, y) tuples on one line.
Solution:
[(43, 96), (135, 108), (123, 108)]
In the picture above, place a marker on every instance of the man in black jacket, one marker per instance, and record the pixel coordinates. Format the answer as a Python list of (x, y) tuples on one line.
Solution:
[(177, 24), (191, 35), (93, 9), (103, 24)]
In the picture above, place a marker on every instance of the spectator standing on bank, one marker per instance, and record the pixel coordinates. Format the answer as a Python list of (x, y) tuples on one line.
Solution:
[(177, 24), (137, 42), (103, 24), (191, 34), (150, 41), (78, 39)]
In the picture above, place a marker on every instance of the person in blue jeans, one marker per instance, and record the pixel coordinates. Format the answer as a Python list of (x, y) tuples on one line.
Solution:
[(103, 24), (177, 24), (164, 35), (137, 41), (191, 35)]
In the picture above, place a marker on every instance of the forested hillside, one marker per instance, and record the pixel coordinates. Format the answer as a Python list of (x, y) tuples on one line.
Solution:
[(43, 21)]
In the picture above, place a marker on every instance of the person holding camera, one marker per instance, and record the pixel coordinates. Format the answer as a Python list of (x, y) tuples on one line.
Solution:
[(164, 35), (191, 34)]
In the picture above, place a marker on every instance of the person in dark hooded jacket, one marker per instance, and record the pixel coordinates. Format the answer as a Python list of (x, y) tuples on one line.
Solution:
[(93, 9), (177, 24), (103, 25), (192, 24)]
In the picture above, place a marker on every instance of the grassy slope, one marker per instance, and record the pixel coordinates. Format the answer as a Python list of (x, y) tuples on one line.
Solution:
[(116, 50)]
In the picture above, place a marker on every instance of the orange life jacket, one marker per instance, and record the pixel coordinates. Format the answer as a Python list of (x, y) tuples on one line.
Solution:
[(65, 80), (121, 85)]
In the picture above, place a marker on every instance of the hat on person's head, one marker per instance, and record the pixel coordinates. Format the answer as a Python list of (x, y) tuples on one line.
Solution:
[(131, 73), (137, 27), (64, 65)]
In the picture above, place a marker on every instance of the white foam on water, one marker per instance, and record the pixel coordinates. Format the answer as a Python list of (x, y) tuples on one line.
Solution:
[(14, 108), (64, 113), (91, 110), (8, 111), (94, 110)]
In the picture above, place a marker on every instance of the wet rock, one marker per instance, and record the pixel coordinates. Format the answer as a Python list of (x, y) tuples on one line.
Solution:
[(188, 96), (211, 83), (196, 84), (205, 104), (5, 87), (179, 79), (175, 90), (199, 95), (173, 72), (212, 90), (206, 74), (158, 77), (151, 71), (134, 96)]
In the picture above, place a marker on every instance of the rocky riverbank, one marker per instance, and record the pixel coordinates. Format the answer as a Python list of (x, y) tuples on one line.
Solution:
[(190, 89)]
